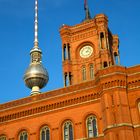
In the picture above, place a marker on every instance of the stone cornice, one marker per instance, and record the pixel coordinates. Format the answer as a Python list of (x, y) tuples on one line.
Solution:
[(36, 101), (120, 125), (74, 94), (50, 94), (50, 107), (85, 29)]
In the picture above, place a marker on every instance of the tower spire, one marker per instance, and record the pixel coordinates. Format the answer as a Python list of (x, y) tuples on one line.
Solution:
[(36, 76), (36, 25), (87, 12), (35, 49)]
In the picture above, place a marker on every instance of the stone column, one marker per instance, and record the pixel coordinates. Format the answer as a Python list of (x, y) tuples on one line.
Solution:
[(118, 58), (105, 42), (99, 41), (67, 51), (68, 78), (64, 80)]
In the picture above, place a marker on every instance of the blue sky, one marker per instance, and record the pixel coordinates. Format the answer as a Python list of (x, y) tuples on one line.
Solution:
[(16, 37)]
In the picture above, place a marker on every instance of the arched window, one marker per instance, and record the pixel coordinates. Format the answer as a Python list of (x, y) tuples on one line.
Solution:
[(91, 124), (69, 55), (83, 73), (102, 39), (105, 64), (67, 79), (45, 133), (64, 52), (68, 131), (23, 135), (91, 71), (2, 137)]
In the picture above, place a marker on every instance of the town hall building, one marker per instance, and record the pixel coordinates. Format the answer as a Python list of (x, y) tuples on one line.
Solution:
[(100, 99)]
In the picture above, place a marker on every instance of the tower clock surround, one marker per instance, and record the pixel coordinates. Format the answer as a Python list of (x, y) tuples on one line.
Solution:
[(86, 51)]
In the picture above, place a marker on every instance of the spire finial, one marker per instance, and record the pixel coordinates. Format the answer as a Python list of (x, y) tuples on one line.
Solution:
[(87, 12), (36, 25)]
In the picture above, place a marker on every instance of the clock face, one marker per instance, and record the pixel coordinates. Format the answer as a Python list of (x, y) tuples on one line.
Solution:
[(86, 51)]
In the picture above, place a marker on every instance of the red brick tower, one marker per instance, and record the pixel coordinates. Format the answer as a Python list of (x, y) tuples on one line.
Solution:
[(86, 48)]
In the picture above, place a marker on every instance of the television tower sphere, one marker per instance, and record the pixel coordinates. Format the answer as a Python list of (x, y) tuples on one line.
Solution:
[(36, 77)]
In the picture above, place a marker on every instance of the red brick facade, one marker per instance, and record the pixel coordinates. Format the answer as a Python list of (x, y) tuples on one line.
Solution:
[(111, 98)]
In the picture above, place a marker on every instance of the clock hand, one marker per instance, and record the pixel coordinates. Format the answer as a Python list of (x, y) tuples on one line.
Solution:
[(87, 51)]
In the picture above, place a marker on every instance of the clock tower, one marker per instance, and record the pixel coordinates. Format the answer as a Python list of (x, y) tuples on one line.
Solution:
[(87, 48)]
